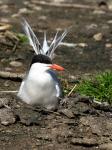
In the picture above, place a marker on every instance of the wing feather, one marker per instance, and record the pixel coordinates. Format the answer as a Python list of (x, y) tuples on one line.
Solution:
[(56, 42), (34, 42), (45, 49)]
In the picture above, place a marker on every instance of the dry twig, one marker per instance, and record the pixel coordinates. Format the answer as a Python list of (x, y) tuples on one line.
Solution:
[(15, 46), (71, 90), (43, 3), (11, 76), (4, 26)]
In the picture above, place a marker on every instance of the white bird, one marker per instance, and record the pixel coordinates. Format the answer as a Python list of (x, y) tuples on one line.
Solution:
[(41, 85)]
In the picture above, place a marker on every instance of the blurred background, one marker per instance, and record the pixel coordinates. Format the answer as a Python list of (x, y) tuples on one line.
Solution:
[(85, 49)]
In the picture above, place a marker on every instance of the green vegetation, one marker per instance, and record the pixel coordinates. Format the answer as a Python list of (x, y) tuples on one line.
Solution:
[(68, 87), (22, 38), (65, 85), (98, 87)]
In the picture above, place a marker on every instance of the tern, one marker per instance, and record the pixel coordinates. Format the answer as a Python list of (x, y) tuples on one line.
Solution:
[(41, 85)]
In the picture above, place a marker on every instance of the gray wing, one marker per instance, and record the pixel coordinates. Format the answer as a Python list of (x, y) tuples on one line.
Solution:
[(57, 83)]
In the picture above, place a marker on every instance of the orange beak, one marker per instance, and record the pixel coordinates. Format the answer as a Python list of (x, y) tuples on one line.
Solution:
[(56, 67)]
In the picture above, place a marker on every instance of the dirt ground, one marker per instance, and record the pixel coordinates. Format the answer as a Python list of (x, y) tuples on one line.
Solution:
[(78, 124)]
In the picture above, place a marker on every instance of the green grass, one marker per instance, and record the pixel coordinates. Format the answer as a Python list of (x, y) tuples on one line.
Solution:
[(98, 87), (66, 86), (22, 38)]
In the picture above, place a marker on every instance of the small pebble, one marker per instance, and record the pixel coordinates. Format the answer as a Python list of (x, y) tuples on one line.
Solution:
[(15, 15), (1, 2), (110, 5), (4, 9), (91, 26), (58, 1), (5, 20), (67, 113), (99, 12), (84, 141), (37, 8), (24, 11), (3, 102), (6, 83), (3, 60), (109, 21), (82, 45), (72, 77), (15, 64), (107, 146), (108, 45), (26, 3), (98, 37), (7, 117), (8, 69), (42, 17)]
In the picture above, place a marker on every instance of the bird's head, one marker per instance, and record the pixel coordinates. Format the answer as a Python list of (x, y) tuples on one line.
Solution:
[(44, 63)]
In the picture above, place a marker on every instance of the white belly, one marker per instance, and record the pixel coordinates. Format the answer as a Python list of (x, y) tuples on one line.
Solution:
[(39, 88)]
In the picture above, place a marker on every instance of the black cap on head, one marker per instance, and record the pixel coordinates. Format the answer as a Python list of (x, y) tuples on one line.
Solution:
[(41, 59)]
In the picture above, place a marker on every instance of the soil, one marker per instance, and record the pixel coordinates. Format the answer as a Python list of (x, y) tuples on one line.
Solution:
[(79, 123)]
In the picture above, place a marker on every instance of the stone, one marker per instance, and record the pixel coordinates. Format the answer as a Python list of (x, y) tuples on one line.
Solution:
[(109, 21), (3, 102), (67, 113), (28, 116), (82, 45), (15, 15), (107, 146), (99, 12), (37, 8), (16, 64), (7, 117), (98, 37), (26, 3), (108, 45), (84, 141), (42, 17), (5, 20), (6, 83), (24, 11), (110, 5), (93, 123)]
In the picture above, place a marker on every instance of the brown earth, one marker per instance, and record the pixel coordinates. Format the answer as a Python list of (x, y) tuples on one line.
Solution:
[(78, 124)]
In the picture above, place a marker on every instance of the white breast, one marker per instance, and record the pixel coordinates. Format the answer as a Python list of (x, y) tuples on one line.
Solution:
[(39, 87)]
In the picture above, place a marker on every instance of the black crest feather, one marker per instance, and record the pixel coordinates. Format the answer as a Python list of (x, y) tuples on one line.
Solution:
[(40, 58)]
